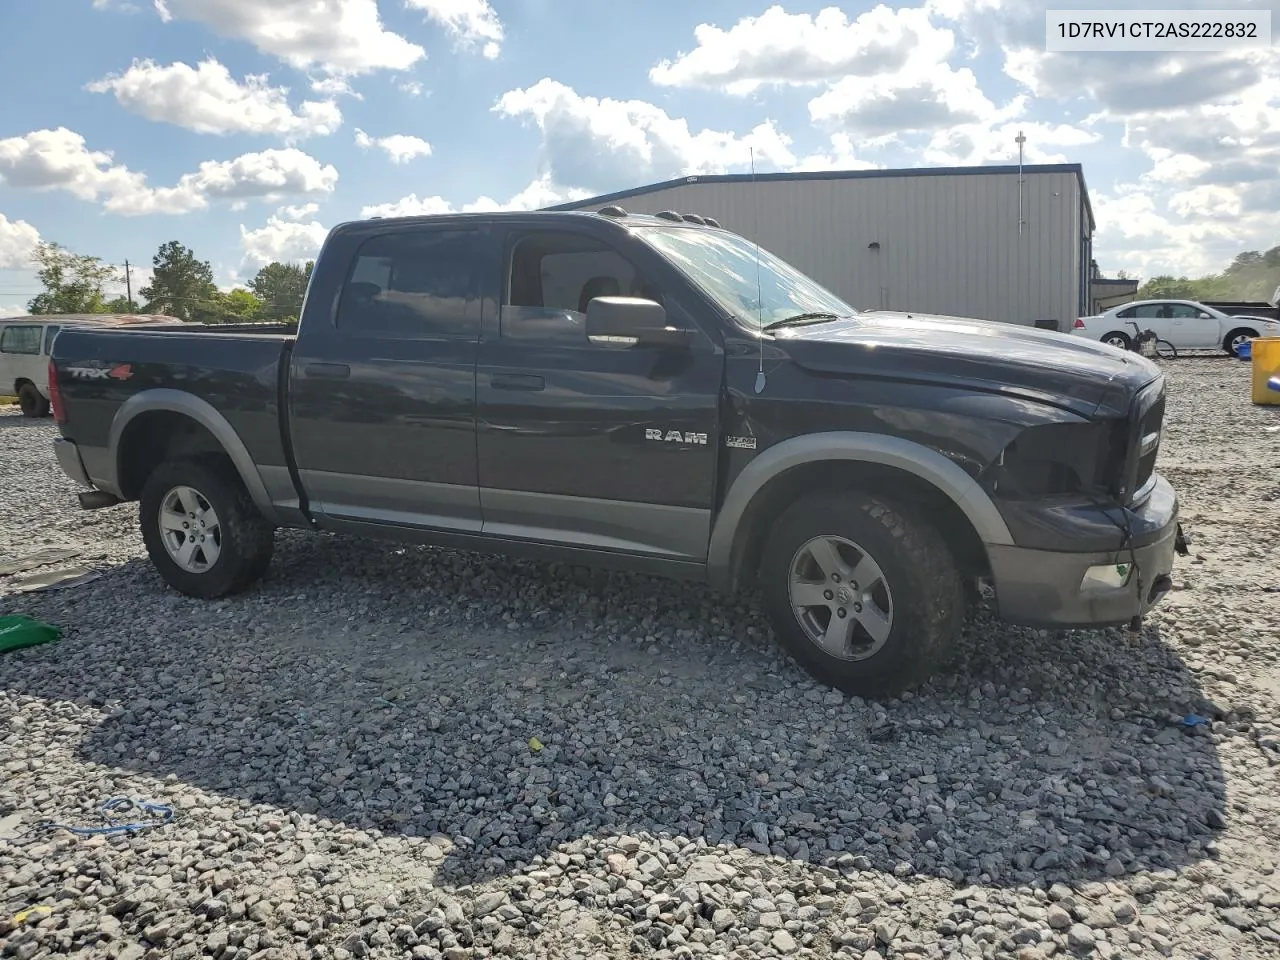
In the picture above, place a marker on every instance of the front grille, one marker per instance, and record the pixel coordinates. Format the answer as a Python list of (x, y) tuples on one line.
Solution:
[(1146, 422)]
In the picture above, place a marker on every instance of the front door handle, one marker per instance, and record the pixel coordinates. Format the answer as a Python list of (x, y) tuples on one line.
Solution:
[(327, 371), (517, 381)]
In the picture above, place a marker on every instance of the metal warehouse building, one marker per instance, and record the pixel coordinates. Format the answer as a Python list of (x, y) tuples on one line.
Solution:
[(1001, 243)]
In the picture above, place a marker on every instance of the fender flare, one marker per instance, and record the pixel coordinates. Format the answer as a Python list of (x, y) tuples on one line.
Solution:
[(914, 458), (202, 412)]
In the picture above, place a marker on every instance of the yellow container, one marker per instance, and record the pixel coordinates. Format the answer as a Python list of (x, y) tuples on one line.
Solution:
[(1266, 364)]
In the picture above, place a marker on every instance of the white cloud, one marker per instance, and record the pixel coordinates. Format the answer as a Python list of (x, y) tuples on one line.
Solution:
[(410, 206), (207, 99), (843, 156), (305, 211), (285, 237), (603, 144), (472, 22), (782, 48), (269, 175), (924, 97), (60, 159), (342, 37), (398, 146), (334, 87), (18, 241), (412, 87), (971, 144), (538, 194), (13, 310)]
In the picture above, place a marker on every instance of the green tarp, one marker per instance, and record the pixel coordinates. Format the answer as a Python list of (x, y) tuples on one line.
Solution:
[(17, 632)]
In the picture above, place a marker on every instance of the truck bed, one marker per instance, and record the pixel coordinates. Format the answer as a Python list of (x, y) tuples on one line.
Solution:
[(235, 370)]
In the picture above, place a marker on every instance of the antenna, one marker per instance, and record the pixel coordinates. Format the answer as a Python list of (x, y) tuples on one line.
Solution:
[(1020, 139), (755, 196)]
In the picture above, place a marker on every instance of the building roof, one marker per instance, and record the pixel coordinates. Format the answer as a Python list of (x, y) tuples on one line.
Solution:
[(1029, 169)]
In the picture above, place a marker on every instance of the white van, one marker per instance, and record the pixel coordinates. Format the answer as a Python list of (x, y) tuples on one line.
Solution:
[(25, 344)]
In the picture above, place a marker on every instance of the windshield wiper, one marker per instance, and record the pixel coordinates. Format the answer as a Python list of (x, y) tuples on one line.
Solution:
[(800, 318)]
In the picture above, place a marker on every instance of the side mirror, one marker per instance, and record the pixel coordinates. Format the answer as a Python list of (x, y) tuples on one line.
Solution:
[(631, 321)]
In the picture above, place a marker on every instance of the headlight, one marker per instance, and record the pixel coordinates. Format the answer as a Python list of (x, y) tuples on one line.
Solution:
[(1060, 459)]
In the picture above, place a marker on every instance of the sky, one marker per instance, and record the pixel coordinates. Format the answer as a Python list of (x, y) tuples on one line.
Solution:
[(246, 129)]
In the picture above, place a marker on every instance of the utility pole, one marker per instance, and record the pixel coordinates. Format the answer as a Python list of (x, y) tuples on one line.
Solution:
[(128, 286)]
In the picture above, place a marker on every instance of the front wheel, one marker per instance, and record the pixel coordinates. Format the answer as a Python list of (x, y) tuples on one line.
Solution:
[(203, 533), (1237, 337), (30, 402), (864, 595)]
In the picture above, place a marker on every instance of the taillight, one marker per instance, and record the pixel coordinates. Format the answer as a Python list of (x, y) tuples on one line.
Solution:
[(55, 395), (1079, 324)]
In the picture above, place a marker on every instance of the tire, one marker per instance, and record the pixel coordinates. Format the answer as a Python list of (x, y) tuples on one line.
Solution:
[(1117, 339), (243, 542), (1166, 350), (1236, 337), (30, 402), (924, 596)]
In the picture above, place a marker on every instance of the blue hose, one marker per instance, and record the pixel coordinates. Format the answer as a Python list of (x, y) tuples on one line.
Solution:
[(163, 810)]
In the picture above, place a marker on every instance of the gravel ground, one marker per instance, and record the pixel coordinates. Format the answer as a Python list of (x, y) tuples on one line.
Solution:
[(404, 752)]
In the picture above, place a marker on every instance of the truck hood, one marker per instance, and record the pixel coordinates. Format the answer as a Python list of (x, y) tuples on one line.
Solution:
[(1073, 373)]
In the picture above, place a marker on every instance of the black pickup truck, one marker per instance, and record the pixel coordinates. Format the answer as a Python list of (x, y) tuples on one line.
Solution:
[(650, 393)]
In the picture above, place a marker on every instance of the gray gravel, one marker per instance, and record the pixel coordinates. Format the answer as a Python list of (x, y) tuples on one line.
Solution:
[(402, 752)]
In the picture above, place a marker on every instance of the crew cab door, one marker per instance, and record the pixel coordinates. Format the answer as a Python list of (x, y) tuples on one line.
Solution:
[(382, 382), (602, 446)]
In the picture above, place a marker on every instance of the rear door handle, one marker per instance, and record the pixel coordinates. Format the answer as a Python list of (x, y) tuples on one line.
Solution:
[(327, 371), (517, 381)]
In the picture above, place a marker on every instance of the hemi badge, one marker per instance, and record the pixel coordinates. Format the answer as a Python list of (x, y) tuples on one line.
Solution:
[(740, 443)]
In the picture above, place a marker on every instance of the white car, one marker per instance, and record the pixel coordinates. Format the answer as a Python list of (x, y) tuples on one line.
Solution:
[(1184, 323), (25, 343)]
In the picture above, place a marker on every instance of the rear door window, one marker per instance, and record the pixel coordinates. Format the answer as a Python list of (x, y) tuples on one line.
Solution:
[(20, 339), (414, 284), (50, 332)]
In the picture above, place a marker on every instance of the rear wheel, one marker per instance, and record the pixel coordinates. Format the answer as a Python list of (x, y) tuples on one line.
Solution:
[(203, 533), (863, 594), (1165, 350), (1237, 337), (1117, 339), (30, 402)]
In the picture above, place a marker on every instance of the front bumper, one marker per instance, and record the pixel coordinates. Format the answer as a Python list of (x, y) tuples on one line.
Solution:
[(1048, 588), (69, 460)]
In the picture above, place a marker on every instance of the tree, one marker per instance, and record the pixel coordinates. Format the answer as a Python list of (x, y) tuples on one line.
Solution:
[(118, 305), (180, 284), (235, 306), (72, 282), (280, 287), (1176, 288)]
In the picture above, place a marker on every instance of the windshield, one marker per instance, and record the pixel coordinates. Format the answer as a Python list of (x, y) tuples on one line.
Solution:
[(724, 266)]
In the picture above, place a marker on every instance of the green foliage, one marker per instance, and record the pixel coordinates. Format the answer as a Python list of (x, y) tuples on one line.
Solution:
[(281, 287), (72, 282), (1251, 276), (235, 306), (181, 286), (119, 305)]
